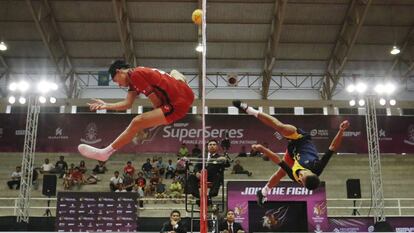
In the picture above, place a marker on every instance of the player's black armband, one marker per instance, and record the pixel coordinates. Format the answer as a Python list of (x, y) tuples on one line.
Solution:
[(287, 169)]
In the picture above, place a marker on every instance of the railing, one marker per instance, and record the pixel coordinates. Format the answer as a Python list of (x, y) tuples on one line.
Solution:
[(399, 205)]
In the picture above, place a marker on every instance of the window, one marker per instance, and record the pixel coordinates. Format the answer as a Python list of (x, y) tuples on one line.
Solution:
[(83, 109), (49, 109), (284, 111), (218, 110), (408, 111), (18, 109), (348, 111), (381, 111), (317, 111)]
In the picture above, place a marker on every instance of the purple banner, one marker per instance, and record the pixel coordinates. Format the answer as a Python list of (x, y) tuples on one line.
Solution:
[(365, 224), (284, 201), (64, 132), (99, 212)]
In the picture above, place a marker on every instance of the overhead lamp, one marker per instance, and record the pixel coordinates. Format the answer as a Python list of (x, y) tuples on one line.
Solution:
[(379, 88), (22, 100), (361, 102), (42, 99), (199, 48), (361, 87), (23, 86), (12, 100), (13, 86), (350, 88), (3, 46), (393, 102), (352, 103), (389, 88), (52, 100), (395, 50), (382, 101)]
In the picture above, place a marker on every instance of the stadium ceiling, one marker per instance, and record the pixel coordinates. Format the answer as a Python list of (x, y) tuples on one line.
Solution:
[(326, 38)]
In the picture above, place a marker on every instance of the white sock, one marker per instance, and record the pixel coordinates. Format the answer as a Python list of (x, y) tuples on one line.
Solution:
[(108, 150), (252, 111), (265, 190)]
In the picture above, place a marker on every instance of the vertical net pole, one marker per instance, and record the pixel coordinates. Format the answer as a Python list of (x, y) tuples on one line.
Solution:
[(203, 179)]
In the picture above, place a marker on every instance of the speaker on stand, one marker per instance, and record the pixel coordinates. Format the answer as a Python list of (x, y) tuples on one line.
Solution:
[(49, 189), (353, 190)]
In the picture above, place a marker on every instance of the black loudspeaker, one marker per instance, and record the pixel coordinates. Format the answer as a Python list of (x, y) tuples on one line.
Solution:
[(353, 188), (49, 185), (383, 227)]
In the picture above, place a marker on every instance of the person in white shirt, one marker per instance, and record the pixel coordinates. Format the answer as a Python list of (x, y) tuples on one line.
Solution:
[(15, 178), (46, 167), (115, 181)]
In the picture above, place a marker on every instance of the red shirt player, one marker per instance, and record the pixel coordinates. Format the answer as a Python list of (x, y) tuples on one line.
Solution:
[(169, 94)]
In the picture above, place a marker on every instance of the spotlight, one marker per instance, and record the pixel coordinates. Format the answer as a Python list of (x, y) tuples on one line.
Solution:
[(3, 46), (393, 102), (43, 87), (361, 87), (361, 102), (382, 101), (12, 100), (23, 86), (389, 88), (379, 88), (350, 88), (22, 100), (352, 103), (395, 50), (13, 86), (53, 86), (42, 99), (52, 100), (199, 48)]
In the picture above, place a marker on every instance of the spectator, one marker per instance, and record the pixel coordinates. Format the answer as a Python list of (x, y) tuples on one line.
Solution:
[(46, 167), (160, 191), (155, 179), (176, 190), (183, 151), (15, 178), (146, 168), (115, 181), (140, 181), (170, 169), (82, 167), (61, 166), (229, 225), (121, 188), (196, 152), (174, 224), (72, 166), (67, 179), (128, 182), (238, 169), (160, 166), (77, 177), (93, 178), (100, 168), (129, 169), (242, 152)]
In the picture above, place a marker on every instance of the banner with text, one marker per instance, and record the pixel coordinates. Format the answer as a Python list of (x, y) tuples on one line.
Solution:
[(63, 132), (287, 201), (98, 212), (365, 224)]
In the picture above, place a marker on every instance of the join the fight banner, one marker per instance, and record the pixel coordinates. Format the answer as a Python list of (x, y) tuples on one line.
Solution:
[(290, 207), (64, 132)]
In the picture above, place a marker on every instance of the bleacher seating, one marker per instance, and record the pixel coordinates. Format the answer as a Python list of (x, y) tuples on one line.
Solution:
[(396, 174)]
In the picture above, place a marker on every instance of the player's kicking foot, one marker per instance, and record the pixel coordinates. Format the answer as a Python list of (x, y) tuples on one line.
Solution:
[(261, 199), (240, 105), (93, 153)]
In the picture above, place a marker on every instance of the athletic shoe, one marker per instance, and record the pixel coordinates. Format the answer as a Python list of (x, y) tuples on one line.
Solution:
[(240, 105), (261, 199), (92, 152)]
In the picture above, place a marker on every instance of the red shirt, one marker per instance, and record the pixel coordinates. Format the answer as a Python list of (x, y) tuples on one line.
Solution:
[(129, 169)]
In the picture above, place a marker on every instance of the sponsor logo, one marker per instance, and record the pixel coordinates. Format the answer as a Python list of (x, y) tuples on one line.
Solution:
[(91, 205), (106, 199), (404, 229), (91, 133), (352, 133), (119, 211), (125, 199), (410, 135), (382, 134), (319, 133), (58, 135), (371, 228), (319, 209), (68, 199), (179, 131), (20, 132)]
